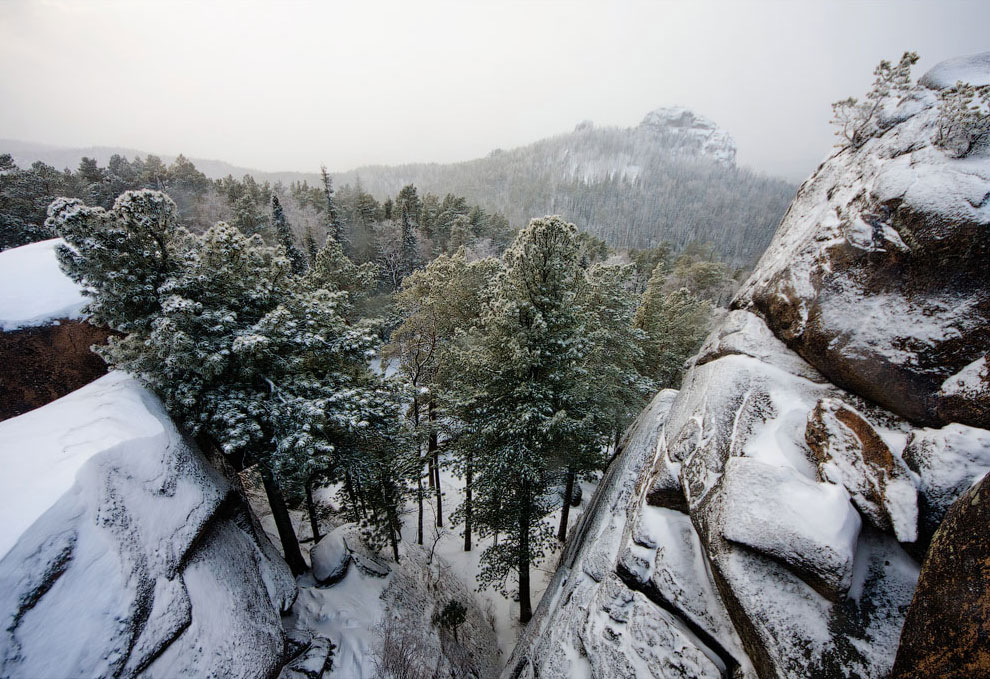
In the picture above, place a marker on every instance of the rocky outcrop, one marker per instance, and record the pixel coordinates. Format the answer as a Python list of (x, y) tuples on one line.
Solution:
[(684, 132), (44, 340), (45, 363), (945, 634), (877, 275), (768, 521), (124, 553)]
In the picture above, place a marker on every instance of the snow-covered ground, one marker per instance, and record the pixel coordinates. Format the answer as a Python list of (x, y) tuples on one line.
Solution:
[(350, 612), (33, 290)]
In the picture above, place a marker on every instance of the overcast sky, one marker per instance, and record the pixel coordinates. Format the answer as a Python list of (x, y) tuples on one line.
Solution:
[(291, 85)]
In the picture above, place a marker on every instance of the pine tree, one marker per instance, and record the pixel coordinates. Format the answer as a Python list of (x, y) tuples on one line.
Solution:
[(334, 227), (526, 397), (280, 225), (673, 325), (435, 304), (859, 121), (262, 362)]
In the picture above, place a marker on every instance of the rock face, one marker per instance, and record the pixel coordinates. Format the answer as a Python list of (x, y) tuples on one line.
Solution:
[(44, 339), (877, 275), (683, 131), (127, 554), (45, 363), (946, 631), (769, 520)]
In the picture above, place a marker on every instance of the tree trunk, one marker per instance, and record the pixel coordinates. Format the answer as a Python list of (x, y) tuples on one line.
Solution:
[(468, 509), (433, 449), (566, 511), (525, 605), (393, 532), (314, 522), (419, 500), (360, 498), (290, 545)]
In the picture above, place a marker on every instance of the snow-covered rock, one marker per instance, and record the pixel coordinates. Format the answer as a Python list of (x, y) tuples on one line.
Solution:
[(124, 553), (877, 274), (44, 346), (851, 453), (945, 634), (948, 461), (609, 611), (33, 289), (685, 132), (330, 558)]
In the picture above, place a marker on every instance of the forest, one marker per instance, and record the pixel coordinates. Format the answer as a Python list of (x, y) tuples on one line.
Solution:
[(258, 313)]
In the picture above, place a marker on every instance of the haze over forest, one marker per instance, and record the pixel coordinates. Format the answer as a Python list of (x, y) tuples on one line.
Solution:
[(296, 85)]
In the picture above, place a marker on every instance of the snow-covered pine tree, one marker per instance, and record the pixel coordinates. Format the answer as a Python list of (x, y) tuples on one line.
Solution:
[(264, 363), (527, 396), (436, 303), (280, 225), (334, 227), (615, 353), (859, 121), (673, 326)]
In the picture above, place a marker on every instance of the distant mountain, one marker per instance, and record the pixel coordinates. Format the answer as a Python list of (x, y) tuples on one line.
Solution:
[(671, 178)]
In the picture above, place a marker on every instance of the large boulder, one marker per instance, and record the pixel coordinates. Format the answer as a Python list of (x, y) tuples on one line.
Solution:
[(330, 558), (947, 461), (947, 627), (44, 340), (45, 363), (877, 274), (124, 553)]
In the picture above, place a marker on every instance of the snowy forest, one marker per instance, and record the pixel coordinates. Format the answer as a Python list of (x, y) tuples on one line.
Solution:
[(258, 312)]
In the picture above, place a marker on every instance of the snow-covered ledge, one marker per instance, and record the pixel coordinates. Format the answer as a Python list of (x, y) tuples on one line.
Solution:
[(123, 552)]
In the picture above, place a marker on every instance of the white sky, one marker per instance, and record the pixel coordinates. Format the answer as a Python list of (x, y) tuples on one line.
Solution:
[(291, 85)]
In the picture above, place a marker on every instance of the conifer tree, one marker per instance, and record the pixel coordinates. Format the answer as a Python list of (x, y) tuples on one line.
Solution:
[(436, 303), (264, 363), (673, 326), (334, 227), (284, 234), (526, 396)]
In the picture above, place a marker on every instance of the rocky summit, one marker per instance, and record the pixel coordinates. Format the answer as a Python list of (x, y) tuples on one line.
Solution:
[(771, 518)]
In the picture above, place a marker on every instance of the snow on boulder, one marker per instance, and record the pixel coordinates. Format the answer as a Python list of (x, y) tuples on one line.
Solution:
[(965, 395), (877, 273), (948, 461), (330, 558), (851, 453), (811, 527), (44, 347), (945, 634), (124, 553), (33, 289), (974, 69), (786, 551)]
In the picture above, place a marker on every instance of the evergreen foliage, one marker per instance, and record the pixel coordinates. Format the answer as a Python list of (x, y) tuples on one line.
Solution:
[(673, 326), (859, 121), (263, 362), (527, 397), (964, 118), (281, 227)]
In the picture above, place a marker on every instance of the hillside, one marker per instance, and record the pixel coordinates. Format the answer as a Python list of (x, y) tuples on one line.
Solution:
[(671, 178)]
